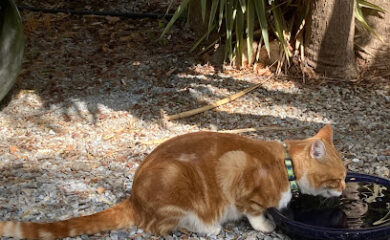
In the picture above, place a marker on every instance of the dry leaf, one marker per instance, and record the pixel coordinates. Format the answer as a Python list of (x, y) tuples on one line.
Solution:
[(13, 149), (112, 20), (386, 153), (107, 137), (95, 23), (122, 159), (69, 148), (125, 38), (100, 190), (102, 116), (106, 49), (169, 73), (95, 180), (262, 71), (46, 21)]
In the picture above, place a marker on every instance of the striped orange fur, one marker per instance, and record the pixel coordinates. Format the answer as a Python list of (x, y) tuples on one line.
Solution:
[(198, 181)]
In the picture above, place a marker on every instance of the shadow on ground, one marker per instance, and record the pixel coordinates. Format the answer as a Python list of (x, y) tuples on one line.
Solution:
[(82, 65)]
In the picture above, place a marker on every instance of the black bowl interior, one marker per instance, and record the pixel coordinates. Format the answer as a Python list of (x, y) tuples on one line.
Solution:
[(298, 230)]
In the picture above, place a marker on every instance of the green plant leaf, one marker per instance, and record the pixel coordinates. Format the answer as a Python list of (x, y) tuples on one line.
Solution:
[(243, 5), (221, 10), (235, 7), (229, 20), (175, 16), (213, 12), (279, 29), (202, 38), (250, 21), (369, 5), (262, 17), (208, 47), (203, 4), (171, 2), (360, 17), (239, 35)]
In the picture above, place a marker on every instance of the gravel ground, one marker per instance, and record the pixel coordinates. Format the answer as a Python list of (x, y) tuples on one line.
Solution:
[(134, 6), (90, 105)]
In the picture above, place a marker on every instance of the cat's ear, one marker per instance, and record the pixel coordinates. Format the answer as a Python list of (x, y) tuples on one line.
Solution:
[(317, 150), (326, 133)]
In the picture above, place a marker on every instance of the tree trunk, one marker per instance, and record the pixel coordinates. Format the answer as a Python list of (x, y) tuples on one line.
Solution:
[(329, 38), (370, 47), (200, 27), (195, 17)]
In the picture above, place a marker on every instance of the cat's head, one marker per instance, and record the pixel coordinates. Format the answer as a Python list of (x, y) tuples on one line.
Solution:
[(320, 171)]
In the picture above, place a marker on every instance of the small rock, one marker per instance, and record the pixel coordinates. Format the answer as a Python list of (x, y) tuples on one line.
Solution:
[(133, 231), (250, 238), (383, 158), (355, 160), (382, 171)]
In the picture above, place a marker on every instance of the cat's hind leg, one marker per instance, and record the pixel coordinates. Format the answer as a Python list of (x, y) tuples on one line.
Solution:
[(193, 223), (261, 223), (163, 221)]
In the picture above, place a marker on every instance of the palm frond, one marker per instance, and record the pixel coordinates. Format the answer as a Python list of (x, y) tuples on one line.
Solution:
[(240, 23), (360, 17), (175, 16)]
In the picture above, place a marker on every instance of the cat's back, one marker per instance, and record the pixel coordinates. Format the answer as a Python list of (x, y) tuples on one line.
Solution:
[(206, 147), (201, 143)]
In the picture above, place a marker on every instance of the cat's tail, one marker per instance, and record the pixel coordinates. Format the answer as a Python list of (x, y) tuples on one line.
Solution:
[(118, 216)]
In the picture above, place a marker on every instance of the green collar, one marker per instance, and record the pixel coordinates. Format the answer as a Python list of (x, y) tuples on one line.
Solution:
[(290, 170)]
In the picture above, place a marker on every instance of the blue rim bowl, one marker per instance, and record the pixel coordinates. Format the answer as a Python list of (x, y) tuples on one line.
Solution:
[(298, 230)]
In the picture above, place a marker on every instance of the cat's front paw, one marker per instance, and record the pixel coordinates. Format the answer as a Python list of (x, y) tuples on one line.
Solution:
[(214, 230), (261, 223)]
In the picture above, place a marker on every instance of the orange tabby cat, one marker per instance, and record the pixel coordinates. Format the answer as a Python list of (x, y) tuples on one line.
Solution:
[(198, 181)]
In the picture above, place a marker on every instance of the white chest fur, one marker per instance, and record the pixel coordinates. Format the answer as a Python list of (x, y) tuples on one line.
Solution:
[(231, 213), (285, 199)]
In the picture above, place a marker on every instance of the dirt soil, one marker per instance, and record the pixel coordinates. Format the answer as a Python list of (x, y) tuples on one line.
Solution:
[(92, 99)]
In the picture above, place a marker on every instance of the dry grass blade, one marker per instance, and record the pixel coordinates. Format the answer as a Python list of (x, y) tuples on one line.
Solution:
[(213, 105), (156, 141), (176, 15)]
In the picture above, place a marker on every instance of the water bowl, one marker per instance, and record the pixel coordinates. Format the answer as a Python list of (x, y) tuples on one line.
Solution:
[(363, 212)]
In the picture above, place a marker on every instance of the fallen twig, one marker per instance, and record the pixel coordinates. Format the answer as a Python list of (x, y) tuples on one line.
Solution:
[(213, 105)]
